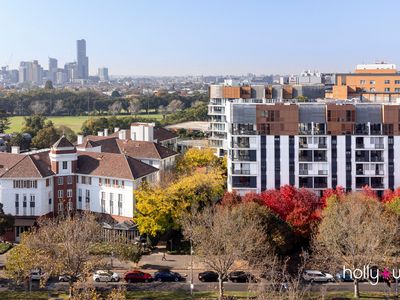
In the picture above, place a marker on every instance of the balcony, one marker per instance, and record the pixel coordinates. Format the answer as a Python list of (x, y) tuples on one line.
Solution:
[(241, 172)]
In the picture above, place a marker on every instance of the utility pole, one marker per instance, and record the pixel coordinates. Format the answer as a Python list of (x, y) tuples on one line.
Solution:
[(191, 269)]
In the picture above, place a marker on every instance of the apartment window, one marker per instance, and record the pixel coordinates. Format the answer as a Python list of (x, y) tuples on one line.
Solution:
[(25, 184), (60, 194), (65, 165), (24, 205), (387, 81), (115, 183), (87, 206), (17, 204), (69, 193), (122, 183), (397, 82), (107, 181), (60, 207), (47, 181), (69, 179), (60, 180), (397, 90), (111, 204), (79, 198), (119, 204), (387, 89), (32, 205), (362, 81), (103, 202), (372, 82), (70, 205), (100, 181)]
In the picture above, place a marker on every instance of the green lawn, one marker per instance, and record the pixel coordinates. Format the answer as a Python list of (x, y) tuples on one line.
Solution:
[(4, 247), (74, 122)]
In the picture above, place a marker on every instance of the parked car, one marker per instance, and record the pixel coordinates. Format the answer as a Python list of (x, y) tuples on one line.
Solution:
[(317, 276), (137, 276), (105, 276), (208, 276), (241, 276), (343, 277), (168, 276), (36, 274), (66, 278)]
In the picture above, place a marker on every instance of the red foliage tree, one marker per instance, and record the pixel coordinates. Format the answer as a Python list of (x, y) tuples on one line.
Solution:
[(368, 192), (389, 195), (231, 198), (253, 197), (300, 208), (338, 193)]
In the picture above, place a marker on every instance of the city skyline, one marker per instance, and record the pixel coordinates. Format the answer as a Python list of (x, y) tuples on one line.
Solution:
[(179, 38)]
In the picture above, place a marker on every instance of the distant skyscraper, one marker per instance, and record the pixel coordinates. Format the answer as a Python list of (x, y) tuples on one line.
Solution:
[(103, 74), (52, 69), (82, 60), (71, 71)]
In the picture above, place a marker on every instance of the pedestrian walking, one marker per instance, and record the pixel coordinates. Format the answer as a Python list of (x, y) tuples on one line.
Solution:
[(164, 257)]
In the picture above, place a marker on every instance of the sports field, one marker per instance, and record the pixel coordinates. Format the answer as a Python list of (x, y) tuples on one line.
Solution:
[(74, 122)]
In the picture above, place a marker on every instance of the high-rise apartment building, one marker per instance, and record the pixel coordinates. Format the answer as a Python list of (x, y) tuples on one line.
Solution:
[(82, 60), (103, 74), (315, 145), (370, 82), (53, 68), (31, 72)]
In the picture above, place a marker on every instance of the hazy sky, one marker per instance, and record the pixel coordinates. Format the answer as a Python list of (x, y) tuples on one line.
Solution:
[(168, 37)]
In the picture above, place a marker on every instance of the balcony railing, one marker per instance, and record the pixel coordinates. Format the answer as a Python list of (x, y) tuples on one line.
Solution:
[(240, 145), (241, 158), (241, 172)]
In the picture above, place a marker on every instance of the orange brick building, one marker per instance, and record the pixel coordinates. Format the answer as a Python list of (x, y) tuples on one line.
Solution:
[(371, 82)]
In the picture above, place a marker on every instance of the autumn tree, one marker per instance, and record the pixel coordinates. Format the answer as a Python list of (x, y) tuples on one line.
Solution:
[(195, 159), (300, 208), (175, 105), (159, 208), (356, 230), (59, 246), (223, 236), (115, 108)]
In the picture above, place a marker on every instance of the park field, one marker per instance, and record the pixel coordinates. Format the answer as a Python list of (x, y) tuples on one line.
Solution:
[(74, 122)]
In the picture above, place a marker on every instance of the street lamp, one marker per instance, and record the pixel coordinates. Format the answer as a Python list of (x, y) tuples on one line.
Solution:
[(191, 269)]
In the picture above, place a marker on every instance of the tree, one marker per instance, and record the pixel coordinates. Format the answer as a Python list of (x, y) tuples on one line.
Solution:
[(4, 121), (19, 140), (61, 246), (67, 132), (48, 85), (115, 108), (356, 231), (115, 94), (128, 252), (300, 208), (20, 262), (175, 105), (134, 106), (45, 137), (195, 159), (33, 124), (223, 236), (160, 208), (6, 221), (38, 107)]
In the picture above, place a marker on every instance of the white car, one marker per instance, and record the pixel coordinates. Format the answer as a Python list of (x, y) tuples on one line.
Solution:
[(36, 274), (317, 276), (105, 276)]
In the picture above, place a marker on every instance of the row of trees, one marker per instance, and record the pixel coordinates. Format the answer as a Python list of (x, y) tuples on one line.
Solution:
[(64, 246), (66, 102)]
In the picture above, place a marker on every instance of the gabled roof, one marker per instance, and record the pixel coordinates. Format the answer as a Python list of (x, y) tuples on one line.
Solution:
[(141, 149), (161, 134), (112, 165), (25, 166), (62, 143)]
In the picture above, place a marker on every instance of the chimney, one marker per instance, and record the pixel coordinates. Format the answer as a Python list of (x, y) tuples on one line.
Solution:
[(122, 134), (100, 133), (142, 132), (15, 149), (106, 132), (116, 129), (79, 139)]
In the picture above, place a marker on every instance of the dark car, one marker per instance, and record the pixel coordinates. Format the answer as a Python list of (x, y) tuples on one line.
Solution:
[(137, 276), (208, 276), (168, 276), (241, 276)]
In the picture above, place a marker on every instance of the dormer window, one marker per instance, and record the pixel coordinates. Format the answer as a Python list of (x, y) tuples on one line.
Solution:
[(65, 165)]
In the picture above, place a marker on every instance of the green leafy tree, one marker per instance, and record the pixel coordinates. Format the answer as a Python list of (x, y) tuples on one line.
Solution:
[(6, 221), (48, 85), (67, 132), (19, 140), (45, 137), (33, 124), (4, 121)]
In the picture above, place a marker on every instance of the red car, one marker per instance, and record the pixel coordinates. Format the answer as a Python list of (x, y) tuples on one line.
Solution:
[(137, 276)]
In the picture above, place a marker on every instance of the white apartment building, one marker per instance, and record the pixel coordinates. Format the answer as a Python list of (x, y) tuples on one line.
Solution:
[(312, 145)]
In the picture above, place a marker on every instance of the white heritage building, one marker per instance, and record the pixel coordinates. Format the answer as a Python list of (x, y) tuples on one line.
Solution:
[(99, 175)]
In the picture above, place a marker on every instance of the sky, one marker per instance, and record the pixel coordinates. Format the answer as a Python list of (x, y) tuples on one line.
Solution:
[(202, 37)]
